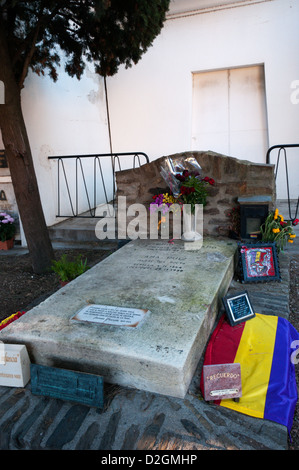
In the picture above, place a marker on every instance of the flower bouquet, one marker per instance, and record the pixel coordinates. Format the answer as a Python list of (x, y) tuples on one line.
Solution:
[(183, 176), (276, 229), (187, 190), (7, 228)]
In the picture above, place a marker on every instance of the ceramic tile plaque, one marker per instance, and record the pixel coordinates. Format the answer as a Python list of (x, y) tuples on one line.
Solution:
[(222, 381), (110, 315)]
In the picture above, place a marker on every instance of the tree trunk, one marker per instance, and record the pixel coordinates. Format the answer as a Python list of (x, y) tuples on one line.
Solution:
[(18, 153)]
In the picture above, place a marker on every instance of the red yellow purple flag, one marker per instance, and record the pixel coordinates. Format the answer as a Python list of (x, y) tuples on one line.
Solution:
[(265, 348)]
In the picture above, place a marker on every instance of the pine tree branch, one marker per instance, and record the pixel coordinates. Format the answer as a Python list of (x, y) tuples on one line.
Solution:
[(28, 57), (43, 19)]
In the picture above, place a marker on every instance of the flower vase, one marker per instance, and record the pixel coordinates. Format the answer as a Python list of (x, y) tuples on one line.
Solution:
[(191, 222), (7, 244)]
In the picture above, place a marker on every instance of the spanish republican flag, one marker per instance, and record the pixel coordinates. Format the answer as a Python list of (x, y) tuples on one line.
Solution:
[(265, 347)]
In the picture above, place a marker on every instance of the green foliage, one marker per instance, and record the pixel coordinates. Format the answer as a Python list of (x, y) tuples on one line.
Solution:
[(198, 192), (69, 270), (106, 32), (7, 227)]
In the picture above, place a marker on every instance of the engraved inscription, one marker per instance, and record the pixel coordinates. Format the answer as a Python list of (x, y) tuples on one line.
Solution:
[(160, 259)]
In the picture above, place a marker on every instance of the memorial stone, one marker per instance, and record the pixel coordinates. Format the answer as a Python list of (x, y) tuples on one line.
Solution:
[(179, 289)]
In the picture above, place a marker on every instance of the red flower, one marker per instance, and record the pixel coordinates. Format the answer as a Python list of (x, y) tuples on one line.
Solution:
[(180, 177), (185, 190), (209, 180), (295, 222)]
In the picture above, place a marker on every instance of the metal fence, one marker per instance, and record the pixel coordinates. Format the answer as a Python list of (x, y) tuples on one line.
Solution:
[(282, 149), (76, 183)]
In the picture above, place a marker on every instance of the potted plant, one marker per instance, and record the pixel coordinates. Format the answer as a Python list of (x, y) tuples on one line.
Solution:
[(7, 231), (276, 229), (69, 270)]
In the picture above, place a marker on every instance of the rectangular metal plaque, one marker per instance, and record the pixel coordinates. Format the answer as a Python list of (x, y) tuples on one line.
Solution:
[(110, 315), (68, 385)]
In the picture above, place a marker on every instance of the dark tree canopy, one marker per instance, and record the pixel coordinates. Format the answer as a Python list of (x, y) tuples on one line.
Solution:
[(106, 32), (34, 35)]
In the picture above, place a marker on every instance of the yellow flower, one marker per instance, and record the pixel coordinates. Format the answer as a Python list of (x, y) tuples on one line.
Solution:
[(168, 198), (292, 235), (281, 218), (275, 214), (290, 241), (275, 230)]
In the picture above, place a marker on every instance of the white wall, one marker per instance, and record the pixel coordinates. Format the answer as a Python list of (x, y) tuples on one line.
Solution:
[(63, 118), (151, 104)]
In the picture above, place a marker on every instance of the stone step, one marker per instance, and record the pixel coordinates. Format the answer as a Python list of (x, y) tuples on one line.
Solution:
[(74, 229)]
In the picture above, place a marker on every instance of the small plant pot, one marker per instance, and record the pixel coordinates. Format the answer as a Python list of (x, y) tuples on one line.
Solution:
[(7, 244)]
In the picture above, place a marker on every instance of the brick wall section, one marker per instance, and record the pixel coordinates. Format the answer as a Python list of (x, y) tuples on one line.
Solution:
[(233, 178)]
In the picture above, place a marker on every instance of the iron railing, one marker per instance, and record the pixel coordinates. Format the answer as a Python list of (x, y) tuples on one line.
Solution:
[(282, 148), (98, 177)]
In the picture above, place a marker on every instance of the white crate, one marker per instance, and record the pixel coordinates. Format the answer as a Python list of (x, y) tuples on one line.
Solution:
[(14, 365)]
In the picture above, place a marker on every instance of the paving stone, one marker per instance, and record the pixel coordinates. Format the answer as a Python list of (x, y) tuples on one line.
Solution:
[(249, 442), (68, 427), (131, 437), (192, 429), (149, 437), (109, 435), (88, 437), (51, 412), (19, 435), (11, 401), (7, 426)]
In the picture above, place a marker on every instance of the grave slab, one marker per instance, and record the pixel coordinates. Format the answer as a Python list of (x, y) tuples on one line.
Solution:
[(163, 298)]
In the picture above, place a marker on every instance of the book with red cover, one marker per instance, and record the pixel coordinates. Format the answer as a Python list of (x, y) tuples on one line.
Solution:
[(222, 381)]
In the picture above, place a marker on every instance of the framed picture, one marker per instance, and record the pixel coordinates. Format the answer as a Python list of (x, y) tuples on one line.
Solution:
[(259, 262), (238, 308)]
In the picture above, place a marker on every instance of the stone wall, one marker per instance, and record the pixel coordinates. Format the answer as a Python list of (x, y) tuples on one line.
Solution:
[(233, 178)]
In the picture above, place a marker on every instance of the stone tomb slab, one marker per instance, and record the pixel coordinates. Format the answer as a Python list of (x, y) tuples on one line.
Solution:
[(179, 291)]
